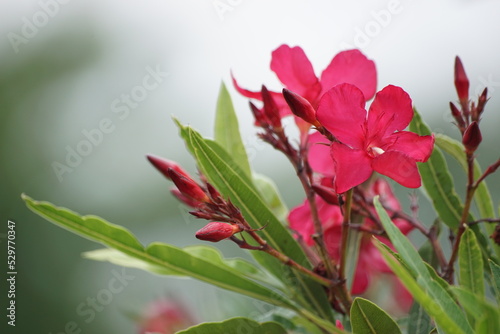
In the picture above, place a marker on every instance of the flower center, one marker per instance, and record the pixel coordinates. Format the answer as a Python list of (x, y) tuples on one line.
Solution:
[(375, 151)]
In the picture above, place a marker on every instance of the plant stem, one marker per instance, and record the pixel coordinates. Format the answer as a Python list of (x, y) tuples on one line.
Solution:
[(471, 188), (345, 233)]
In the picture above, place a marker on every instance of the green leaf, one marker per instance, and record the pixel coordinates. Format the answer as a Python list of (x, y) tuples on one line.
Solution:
[(236, 325), (470, 261), (422, 294), (271, 196), (437, 180), (477, 307), (495, 272), (482, 196), (419, 322), (368, 318), (208, 253), (231, 182), (227, 133), (429, 286), (159, 255)]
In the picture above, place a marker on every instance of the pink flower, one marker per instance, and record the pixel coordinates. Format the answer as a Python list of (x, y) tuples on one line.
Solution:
[(374, 140), (165, 317), (370, 262), (296, 72)]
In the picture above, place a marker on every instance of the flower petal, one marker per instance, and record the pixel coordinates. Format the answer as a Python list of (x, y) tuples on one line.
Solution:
[(351, 67), (399, 167), (341, 111), (413, 145), (295, 71), (319, 154), (390, 111), (352, 167), (300, 220), (245, 92)]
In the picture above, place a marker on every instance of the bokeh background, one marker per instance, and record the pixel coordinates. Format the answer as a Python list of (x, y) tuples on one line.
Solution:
[(67, 66)]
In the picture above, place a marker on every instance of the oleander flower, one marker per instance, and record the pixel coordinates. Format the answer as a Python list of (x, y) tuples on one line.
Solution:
[(296, 72), (374, 140), (165, 317)]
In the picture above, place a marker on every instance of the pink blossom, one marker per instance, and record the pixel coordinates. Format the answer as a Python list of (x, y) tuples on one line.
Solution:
[(296, 72), (165, 317), (374, 140)]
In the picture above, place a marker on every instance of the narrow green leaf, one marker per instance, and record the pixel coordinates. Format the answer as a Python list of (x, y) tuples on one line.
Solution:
[(495, 271), (477, 307), (271, 196), (429, 302), (227, 133), (437, 180), (236, 325), (470, 261), (167, 257), (366, 317), (419, 322), (420, 271), (228, 178)]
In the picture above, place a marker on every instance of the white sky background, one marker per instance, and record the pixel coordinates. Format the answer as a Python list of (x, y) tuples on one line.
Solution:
[(198, 46)]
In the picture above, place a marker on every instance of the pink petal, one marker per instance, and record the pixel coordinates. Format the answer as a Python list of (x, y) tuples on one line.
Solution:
[(341, 111), (351, 67), (415, 146), (295, 71), (399, 167), (246, 92), (352, 167), (300, 221), (390, 111), (319, 154)]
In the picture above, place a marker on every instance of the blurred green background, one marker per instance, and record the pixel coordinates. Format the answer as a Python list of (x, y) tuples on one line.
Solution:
[(68, 66)]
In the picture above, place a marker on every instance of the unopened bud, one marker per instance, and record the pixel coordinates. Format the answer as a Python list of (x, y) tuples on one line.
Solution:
[(461, 81), (271, 110), (472, 137), (457, 115), (260, 118), (163, 165), (481, 102), (214, 194), (217, 231), (327, 194), (187, 186), (185, 199), (338, 324), (300, 107), (496, 235)]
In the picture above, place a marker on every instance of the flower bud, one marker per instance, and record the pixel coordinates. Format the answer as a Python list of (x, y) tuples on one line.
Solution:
[(271, 110), (260, 118), (461, 81), (163, 165), (496, 235), (457, 115), (300, 107), (187, 186), (472, 137), (185, 199), (483, 98), (217, 231), (327, 194)]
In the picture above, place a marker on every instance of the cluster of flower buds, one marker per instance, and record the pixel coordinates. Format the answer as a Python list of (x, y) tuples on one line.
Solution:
[(205, 199), (468, 116)]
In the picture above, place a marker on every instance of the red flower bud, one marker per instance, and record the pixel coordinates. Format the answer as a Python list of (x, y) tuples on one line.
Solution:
[(187, 186), (163, 165), (461, 81), (260, 118), (327, 194), (185, 199), (496, 235), (472, 137), (457, 115), (481, 102), (300, 107), (271, 110), (216, 231)]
